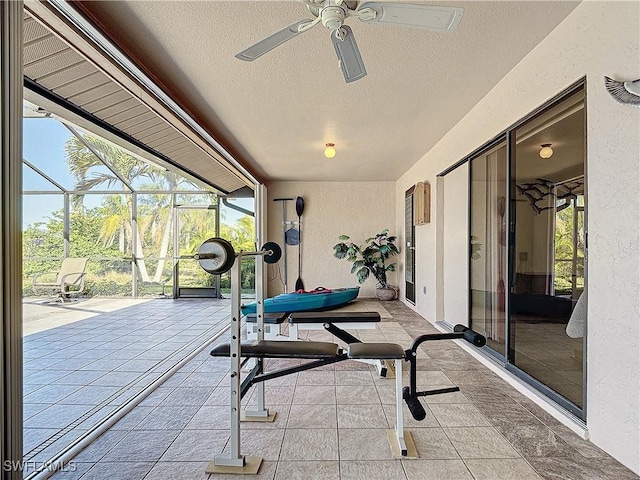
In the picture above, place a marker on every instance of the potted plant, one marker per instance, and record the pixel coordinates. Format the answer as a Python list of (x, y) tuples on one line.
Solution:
[(371, 258)]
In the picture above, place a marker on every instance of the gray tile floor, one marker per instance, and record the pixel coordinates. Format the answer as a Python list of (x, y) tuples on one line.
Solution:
[(331, 424), (77, 373)]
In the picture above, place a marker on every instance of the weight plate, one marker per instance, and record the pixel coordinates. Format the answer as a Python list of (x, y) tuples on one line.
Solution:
[(276, 252), (215, 256)]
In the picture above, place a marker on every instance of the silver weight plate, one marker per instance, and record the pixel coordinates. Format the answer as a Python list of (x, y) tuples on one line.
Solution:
[(215, 255)]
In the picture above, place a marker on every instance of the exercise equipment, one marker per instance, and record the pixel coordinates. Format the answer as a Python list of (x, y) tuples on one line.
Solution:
[(284, 237), (325, 353), (411, 394), (335, 323), (216, 255)]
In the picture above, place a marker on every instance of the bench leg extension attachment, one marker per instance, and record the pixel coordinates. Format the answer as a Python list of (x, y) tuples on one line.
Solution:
[(402, 445)]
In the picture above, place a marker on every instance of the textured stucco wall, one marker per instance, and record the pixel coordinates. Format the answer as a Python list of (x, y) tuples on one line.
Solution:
[(357, 209), (596, 39)]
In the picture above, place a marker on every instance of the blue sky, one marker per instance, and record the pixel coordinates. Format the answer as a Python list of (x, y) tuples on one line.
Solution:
[(43, 146)]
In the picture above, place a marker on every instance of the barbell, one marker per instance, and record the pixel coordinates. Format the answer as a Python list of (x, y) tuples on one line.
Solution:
[(216, 255)]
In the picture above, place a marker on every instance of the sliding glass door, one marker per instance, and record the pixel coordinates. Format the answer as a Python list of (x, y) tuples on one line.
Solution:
[(549, 246), (488, 249), (528, 249)]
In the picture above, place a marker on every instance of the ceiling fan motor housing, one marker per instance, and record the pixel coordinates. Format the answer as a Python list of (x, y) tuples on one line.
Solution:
[(332, 17)]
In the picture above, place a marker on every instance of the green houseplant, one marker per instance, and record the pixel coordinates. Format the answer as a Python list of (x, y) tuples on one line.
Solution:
[(370, 259)]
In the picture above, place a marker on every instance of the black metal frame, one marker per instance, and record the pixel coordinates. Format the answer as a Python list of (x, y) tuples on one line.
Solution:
[(410, 394), (257, 374), (460, 332)]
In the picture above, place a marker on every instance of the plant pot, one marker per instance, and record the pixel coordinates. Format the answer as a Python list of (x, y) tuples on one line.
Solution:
[(386, 294)]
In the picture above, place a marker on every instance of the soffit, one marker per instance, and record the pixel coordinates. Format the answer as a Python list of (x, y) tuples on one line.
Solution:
[(61, 70)]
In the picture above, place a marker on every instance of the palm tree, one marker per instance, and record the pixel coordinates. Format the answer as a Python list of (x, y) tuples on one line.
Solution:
[(87, 157), (115, 226)]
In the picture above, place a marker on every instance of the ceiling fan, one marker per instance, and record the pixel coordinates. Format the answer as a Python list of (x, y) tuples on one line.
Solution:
[(333, 13)]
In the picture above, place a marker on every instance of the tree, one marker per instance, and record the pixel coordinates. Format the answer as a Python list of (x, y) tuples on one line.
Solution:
[(242, 237), (43, 243), (87, 157), (564, 244)]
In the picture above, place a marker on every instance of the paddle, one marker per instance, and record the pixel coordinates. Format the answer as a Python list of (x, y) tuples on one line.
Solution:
[(299, 210)]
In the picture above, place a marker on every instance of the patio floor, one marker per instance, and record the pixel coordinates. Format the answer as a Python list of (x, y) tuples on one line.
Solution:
[(331, 422), (85, 359)]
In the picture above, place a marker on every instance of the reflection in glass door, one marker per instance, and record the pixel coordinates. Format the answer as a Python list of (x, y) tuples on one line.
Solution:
[(549, 244), (488, 272), (528, 258)]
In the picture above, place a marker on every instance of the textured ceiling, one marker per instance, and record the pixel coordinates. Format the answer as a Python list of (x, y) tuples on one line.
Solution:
[(277, 112)]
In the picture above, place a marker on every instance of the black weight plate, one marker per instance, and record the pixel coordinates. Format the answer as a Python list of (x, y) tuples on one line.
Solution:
[(276, 252)]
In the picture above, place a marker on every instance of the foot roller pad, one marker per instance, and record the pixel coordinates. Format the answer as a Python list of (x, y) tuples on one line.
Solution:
[(281, 349), (374, 351)]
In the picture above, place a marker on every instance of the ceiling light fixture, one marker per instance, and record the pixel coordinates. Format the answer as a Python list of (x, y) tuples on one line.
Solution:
[(330, 150), (546, 151)]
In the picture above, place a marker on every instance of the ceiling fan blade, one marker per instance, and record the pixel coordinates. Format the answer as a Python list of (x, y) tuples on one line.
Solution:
[(435, 18), (349, 55), (271, 42)]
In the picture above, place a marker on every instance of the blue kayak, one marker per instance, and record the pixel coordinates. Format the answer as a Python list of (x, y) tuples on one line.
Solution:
[(319, 299)]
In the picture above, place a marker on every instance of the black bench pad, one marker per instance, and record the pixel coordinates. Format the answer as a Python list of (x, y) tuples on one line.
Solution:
[(280, 349), (374, 351), (269, 318), (333, 317)]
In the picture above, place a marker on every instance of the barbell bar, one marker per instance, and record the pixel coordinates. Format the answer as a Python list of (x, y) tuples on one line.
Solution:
[(216, 255)]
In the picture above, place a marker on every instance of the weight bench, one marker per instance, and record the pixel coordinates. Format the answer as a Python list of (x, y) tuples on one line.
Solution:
[(272, 322), (325, 353), (281, 349), (333, 322), (336, 323)]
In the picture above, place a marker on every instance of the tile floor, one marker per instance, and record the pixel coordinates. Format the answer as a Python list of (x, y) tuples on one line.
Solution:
[(545, 351), (331, 424), (77, 373)]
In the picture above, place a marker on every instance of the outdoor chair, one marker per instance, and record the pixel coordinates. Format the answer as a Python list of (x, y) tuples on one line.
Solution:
[(69, 280)]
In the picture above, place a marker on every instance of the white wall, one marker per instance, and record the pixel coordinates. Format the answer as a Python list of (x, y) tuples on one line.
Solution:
[(455, 248), (596, 39), (357, 209)]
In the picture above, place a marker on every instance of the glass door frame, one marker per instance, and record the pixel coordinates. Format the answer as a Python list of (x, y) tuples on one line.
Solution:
[(177, 291), (410, 287), (491, 145), (506, 358)]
